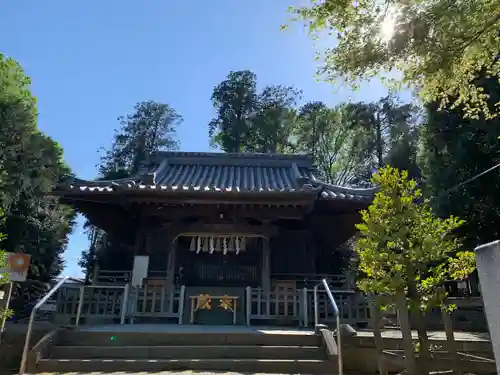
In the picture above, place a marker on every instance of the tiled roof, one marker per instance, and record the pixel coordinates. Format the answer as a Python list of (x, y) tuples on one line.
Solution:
[(223, 172)]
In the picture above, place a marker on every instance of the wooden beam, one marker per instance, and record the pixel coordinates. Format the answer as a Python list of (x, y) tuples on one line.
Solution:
[(221, 197), (176, 230), (215, 211)]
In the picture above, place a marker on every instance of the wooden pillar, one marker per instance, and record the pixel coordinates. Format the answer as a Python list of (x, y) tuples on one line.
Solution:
[(266, 265), (172, 250), (95, 273)]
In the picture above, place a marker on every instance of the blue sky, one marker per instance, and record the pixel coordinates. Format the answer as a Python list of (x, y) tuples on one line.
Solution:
[(91, 61)]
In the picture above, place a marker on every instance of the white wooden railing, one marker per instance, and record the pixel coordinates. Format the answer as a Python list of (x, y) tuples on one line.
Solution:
[(157, 302), (99, 301), (283, 304), (306, 306), (119, 302), (279, 304)]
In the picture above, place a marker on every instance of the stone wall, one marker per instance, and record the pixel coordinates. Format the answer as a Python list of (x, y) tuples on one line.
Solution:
[(469, 316), (12, 343), (360, 355)]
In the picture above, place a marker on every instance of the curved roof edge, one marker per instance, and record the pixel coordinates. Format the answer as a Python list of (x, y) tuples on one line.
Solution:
[(224, 173)]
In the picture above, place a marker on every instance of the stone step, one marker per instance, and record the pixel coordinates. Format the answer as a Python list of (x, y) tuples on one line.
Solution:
[(82, 338), (186, 352), (276, 366)]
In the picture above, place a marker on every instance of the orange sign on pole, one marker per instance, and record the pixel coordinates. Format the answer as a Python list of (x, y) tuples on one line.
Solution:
[(18, 265)]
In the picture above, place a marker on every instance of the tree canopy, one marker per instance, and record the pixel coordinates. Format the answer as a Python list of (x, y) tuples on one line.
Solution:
[(32, 163), (406, 253), (347, 141), (439, 46), (151, 127), (454, 150), (403, 242)]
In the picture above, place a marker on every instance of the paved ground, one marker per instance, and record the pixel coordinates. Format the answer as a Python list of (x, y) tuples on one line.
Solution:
[(186, 328), (148, 373), (160, 373)]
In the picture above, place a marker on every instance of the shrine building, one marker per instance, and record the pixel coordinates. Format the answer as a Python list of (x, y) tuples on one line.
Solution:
[(219, 238)]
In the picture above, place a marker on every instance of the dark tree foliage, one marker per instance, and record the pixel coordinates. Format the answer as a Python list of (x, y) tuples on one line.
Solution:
[(235, 101), (347, 142), (455, 150), (151, 127), (271, 127), (31, 164), (391, 132)]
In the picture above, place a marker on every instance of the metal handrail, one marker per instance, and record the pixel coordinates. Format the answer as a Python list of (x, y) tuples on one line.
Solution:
[(55, 288), (337, 318)]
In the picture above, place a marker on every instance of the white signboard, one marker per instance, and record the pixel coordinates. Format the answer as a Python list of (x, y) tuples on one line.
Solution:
[(18, 265), (140, 270)]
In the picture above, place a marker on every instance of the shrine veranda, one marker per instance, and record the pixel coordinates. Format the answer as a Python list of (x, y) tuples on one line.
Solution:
[(218, 239)]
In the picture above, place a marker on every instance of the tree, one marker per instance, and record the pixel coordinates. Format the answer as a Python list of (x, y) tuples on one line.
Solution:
[(35, 223), (88, 260), (335, 143), (151, 127), (391, 133), (271, 126), (17, 124), (235, 101), (248, 121), (407, 253), (455, 150), (438, 46)]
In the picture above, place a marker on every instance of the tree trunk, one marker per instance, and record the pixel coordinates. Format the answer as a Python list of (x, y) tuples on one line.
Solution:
[(419, 319), (424, 358), (406, 332), (450, 340), (377, 335), (380, 147)]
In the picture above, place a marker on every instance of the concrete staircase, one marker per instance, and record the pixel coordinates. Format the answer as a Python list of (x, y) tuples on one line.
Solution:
[(256, 352)]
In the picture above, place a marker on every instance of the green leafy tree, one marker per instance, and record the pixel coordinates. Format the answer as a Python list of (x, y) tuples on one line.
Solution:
[(391, 130), (35, 223), (17, 125), (151, 127), (406, 250), (334, 141), (235, 101), (438, 46), (453, 151), (251, 121), (271, 127)]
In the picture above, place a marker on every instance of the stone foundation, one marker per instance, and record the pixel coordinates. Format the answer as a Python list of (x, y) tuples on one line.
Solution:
[(12, 344)]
